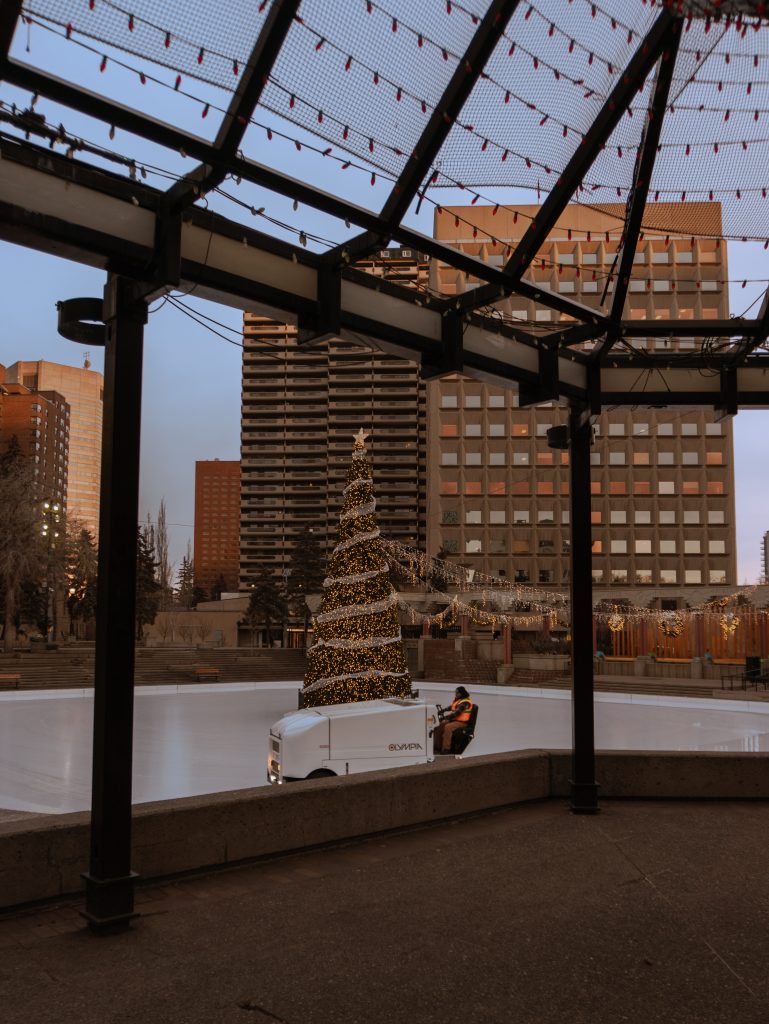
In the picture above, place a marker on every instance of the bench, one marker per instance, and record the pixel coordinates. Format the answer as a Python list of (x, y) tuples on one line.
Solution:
[(10, 677), (204, 672)]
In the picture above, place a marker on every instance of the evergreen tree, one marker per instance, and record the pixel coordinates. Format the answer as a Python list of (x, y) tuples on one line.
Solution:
[(267, 605), (185, 580), (82, 568), (306, 574), (147, 586), (160, 540), (21, 552), (358, 653)]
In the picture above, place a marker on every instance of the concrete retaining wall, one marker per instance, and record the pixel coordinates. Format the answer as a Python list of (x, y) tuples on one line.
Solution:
[(42, 858)]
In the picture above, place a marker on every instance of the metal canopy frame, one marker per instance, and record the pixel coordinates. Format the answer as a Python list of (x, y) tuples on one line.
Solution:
[(222, 157)]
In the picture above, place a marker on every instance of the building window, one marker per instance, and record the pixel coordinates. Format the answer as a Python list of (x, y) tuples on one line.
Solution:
[(690, 458), (545, 575), (545, 487), (665, 458), (667, 547), (616, 458), (497, 459), (473, 516), (595, 517), (520, 547), (716, 517), (597, 575), (595, 458), (618, 547), (450, 517), (544, 458), (640, 429), (497, 487), (597, 547), (497, 517), (642, 487), (449, 430), (449, 402), (496, 402), (520, 430), (691, 547), (497, 430), (714, 458), (521, 458), (472, 458), (497, 546), (642, 516), (714, 487), (668, 576), (691, 518), (666, 487), (619, 575), (667, 517), (472, 547), (449, 458), (643, 577), (545, 515), (451, 547), (520, 487), (617, 487), (616, 430), (542, 429), (664, 430), (717, 547), (521, 517), (713, 430), (472, 430), (473, 487), (716, 576), (643, 547), (472, 401), (618, 517), (690, 487)]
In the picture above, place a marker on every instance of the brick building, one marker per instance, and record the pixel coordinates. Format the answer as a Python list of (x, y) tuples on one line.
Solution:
[(217, 524)]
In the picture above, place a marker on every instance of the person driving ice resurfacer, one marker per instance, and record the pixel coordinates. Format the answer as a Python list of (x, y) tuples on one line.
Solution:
[(457, 726)]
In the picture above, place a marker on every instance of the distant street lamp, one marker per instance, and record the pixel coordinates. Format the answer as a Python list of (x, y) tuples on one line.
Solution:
[(51, 520)]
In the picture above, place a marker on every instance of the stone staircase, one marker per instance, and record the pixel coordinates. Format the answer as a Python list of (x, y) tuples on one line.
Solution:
[(73, 667)]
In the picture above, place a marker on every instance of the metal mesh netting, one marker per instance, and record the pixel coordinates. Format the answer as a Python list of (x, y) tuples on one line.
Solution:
[(366, 77)]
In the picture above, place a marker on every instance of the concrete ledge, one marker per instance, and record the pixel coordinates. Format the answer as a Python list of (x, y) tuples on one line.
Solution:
[(42, 858)]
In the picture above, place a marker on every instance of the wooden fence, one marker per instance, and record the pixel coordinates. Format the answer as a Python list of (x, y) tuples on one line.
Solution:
[(699, 633)]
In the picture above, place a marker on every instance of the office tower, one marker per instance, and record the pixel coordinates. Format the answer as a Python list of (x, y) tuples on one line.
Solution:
[(83, 390), (301, 407), (40, 422), (217, 525), (662, 480), (765, 557)]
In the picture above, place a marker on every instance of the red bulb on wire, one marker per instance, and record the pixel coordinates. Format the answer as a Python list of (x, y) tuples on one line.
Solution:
[(167, 41)]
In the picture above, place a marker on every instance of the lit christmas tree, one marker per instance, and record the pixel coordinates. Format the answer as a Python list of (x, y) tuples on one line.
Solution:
[(358, 651)]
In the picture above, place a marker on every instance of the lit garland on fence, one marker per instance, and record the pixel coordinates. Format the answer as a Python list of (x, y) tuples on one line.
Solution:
[(358, 653), (671, 625), (728, 623), (616, 621)]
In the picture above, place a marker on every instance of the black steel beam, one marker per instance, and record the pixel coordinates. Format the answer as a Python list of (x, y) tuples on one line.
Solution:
[(644, 169), (734, 328), (253, 79), (760, 333), (446, 111), (547, 388), (10, 11), (451, 357), (584, 789), (165, 135), (109, 880), (620, 98)]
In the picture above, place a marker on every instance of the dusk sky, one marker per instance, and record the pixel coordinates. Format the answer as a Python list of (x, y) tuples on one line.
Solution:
[(191, 377)]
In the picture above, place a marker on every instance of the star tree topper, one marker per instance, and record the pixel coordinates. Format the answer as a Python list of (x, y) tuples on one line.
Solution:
[(360, 440)]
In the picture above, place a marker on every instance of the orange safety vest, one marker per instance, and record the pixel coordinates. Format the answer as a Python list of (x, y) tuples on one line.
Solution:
[(463, 716)]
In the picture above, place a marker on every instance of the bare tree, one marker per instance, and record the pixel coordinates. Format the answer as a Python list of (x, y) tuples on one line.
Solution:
[(21, 555), (186, 628), (203, 627), (164, 626), (164, 567)]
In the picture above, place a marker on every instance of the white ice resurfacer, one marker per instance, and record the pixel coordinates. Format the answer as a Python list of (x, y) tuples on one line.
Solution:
[(341, 739)]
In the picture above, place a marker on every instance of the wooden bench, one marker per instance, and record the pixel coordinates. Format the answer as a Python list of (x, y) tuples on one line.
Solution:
[(204, 672), (10, 677)]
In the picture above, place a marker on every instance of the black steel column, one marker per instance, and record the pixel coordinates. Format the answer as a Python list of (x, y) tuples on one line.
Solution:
[(584, 789), (110, 881)]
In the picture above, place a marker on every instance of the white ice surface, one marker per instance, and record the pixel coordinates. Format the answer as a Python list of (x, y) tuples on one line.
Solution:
[(205, 739)]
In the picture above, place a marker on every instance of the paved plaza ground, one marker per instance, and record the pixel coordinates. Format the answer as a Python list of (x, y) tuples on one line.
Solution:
[(649, 913)]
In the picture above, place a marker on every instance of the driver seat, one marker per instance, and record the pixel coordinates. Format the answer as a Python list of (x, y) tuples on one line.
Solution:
[(462, 738)]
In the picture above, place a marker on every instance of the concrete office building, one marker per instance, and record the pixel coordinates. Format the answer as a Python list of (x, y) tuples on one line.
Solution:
[(217, 525), (662, 483), (40, 422), (301, 407), (83, 390)]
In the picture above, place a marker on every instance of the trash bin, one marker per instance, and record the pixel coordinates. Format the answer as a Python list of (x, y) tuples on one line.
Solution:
[(752, 667)]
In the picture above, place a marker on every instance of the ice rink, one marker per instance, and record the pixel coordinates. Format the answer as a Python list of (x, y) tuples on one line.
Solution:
[(205, 739)]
